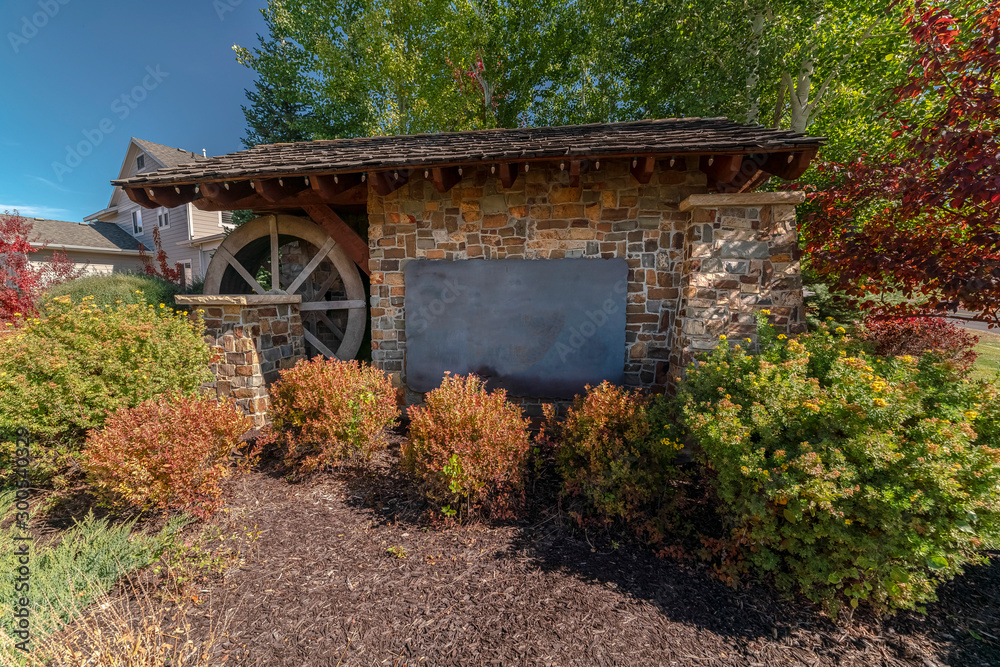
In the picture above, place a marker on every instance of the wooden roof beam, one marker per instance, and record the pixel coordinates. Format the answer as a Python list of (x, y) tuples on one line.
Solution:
[(788, 166), (140, 197), (642, 168), (227, 193), (331, 186), (172, 196), (720, 168), (387, 182), (508, 174), (444, 178), (276, 189)]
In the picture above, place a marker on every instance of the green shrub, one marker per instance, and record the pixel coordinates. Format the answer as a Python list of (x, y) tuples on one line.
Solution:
[(467, 446), (326, 410), (67, 574), (61, 374), (172, 452), (117, 289), (615, 449), (847, 476)]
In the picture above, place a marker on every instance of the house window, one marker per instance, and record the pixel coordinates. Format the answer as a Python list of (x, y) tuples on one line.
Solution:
[(136, 223), (163, 219), (140, 162), (186, 274)]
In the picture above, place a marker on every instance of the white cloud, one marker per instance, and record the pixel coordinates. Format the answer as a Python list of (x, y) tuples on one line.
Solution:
[(52, 184), (35, 211)]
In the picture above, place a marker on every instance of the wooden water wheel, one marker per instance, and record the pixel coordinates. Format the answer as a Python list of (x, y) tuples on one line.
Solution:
[(283, 254)]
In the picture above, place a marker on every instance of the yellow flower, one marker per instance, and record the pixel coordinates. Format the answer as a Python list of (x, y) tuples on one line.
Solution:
[(847, 521), (722, 337), (766, 312), (829, 319), (840, 330), (163, 305), (782, 336), (879, 402), (907, 359), (748, 340), (971, 415)]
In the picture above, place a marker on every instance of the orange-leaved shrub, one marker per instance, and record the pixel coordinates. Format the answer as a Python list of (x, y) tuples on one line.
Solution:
[(616, 449), (326, 410), (171, 452), (467, 445)]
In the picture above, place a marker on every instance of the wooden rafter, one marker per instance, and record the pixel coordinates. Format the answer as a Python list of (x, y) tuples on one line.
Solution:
[(171, 196), (642, 168), (227, 193), (720, 168), (386, 182), (140, 197), (332, 186), (508, 174), (445, 178), (788, 166), (354, 197), (276, 189), (348, 239)]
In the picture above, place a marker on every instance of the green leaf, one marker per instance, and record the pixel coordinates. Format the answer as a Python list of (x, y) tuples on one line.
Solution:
[(899, 575), (966, 528), (937, 562), (834, 578), (789, 515), (854, 602)]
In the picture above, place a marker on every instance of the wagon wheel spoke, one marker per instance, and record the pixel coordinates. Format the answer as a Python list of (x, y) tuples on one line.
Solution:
[(233, 262), (275, 269), (315, 342), (311, 266), (334, 329), (326, 286)]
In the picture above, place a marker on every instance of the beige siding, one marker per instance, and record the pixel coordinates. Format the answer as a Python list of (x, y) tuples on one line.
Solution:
[(94, 262)]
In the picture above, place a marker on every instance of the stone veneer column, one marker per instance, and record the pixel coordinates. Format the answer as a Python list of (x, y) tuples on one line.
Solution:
[(741, 256), (253, 338)]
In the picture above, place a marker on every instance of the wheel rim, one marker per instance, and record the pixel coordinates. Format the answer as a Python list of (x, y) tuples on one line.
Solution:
[(309, 262)]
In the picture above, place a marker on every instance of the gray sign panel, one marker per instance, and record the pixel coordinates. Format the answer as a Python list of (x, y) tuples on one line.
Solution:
[(539, 328)]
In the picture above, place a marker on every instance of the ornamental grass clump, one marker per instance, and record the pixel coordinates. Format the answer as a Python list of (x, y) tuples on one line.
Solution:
[(62, 373), (467, 446), (325, 411), (847, 476), (615, 450), (172, 452)]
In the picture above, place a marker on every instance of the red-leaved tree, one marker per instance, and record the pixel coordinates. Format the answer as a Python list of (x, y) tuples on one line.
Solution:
[(925, 222), (21, 281), (174, 275)]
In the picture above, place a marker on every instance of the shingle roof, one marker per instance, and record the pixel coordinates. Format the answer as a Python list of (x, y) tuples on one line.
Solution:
[(675, 136), (97, 235), (170, 157)]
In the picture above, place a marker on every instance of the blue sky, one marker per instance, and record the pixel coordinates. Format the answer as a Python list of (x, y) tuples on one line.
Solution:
[(97, 72)]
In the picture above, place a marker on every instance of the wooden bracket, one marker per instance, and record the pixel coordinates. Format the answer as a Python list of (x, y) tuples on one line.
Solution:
[(274, 189), (720, 168), (329, 186), (788, 166), (341, 232), (141, 197), (445, 178), (386, 182), (642, 169), (170, 196), (220, 194), (577, 167), (508, 174)]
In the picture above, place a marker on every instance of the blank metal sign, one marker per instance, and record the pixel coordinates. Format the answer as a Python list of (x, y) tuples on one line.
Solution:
[(539, 328)]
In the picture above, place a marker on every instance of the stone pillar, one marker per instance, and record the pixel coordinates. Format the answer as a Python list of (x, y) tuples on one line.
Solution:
[(741, 256), (253, 338)]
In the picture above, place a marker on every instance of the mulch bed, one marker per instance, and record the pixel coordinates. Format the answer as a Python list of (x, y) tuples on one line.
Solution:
[(320, 587)]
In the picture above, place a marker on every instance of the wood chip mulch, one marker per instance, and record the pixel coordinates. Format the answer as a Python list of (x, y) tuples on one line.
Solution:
[(321, 587)]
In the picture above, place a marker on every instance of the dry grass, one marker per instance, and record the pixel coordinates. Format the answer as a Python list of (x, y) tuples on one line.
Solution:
[(134, 628)]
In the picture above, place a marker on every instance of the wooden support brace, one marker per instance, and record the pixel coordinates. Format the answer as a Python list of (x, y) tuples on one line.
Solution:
[(508, 174), (789, 166), (330, 186), (274, 189), (642, 169), (386, 182), (348, 239), (220, 194), (445, 178), (141, 197), (720, 168), (170, 196)]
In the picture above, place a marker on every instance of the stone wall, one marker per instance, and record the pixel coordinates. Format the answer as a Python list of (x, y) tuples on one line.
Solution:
[(738, 260), (252, 338), (712, 267)]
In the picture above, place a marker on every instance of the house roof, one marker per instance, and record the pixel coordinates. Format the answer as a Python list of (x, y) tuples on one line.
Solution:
[(166, 155), (666, 137), (98, 236)]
